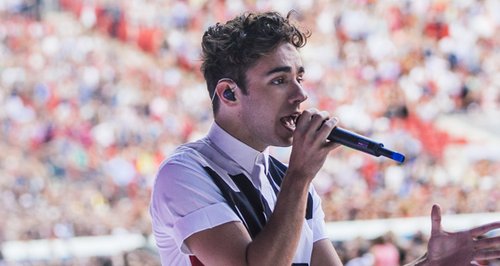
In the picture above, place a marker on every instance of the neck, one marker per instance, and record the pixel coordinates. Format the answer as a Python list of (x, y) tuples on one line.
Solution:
[(233, 127)]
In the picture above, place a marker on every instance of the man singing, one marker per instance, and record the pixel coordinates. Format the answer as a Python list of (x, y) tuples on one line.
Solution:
[(223, 200)]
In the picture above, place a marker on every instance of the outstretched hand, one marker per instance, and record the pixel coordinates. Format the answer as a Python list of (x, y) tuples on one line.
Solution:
[(461, 248)]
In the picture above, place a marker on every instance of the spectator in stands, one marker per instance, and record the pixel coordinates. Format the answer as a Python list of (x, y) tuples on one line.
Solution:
[(385, 253)]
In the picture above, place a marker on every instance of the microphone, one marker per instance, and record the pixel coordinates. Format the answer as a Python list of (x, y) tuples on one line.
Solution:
[(364, 144)]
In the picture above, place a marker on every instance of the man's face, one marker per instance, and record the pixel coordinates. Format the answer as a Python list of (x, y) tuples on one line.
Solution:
[(272, 104)]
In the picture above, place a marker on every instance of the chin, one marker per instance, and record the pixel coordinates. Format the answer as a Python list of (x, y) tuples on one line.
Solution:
[(283, 138), (284, 143)]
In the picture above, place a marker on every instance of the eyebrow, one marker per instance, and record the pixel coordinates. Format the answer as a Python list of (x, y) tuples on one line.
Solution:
[(283, 69)]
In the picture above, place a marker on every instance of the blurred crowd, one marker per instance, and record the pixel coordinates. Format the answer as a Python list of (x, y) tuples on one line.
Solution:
[(95, 93)]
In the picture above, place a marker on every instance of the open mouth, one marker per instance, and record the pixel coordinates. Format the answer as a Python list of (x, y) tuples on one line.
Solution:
[(289, 122)]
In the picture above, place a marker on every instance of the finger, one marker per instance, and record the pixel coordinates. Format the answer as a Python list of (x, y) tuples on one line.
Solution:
[(327, 127), (331, 145), (436, 219), (304, 119), (306, 116), (487, 242), (484, 228), (487, 254), (317, 120)]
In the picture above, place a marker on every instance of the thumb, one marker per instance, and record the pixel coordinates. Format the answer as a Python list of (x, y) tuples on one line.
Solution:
[(436, 219)]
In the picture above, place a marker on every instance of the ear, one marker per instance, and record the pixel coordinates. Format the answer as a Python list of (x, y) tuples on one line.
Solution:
[(223, 85)]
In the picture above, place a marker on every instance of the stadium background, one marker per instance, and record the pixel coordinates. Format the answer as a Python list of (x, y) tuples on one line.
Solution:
[(95, 93)]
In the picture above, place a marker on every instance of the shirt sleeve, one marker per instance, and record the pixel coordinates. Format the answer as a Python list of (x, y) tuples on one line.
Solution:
[(185, 200), (318, 220)]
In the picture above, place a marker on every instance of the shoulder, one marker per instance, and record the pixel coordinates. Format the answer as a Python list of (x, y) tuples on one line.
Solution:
[(184, 192), (185, 170), (191, 155)]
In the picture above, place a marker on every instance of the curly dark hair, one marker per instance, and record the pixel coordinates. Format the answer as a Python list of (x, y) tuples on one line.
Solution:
[(230, 49)]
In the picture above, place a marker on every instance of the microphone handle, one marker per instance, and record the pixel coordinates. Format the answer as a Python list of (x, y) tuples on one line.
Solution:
[(364, 144)]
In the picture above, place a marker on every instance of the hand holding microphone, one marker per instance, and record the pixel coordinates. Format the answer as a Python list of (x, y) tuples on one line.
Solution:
[(362, 143)]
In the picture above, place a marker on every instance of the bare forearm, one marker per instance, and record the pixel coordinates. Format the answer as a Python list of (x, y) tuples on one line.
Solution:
[(276, 244)]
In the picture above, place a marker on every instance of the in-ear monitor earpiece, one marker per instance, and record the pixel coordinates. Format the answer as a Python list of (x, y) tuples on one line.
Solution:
[(229, 94)]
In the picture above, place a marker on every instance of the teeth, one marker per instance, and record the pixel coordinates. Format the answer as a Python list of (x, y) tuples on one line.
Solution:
[(289, 121)]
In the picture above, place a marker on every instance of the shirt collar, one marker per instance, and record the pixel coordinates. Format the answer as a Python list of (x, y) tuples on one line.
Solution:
[(241, 153)]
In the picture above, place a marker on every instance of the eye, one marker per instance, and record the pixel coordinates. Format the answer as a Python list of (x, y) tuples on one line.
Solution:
[(278, 81)]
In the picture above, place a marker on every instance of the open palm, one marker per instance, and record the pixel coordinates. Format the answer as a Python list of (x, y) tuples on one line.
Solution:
[(461, 248)]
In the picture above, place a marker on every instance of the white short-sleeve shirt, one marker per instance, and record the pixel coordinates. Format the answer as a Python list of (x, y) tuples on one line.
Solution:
[(185, 200)]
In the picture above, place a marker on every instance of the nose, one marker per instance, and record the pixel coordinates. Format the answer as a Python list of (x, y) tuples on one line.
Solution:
[(299, 94)]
